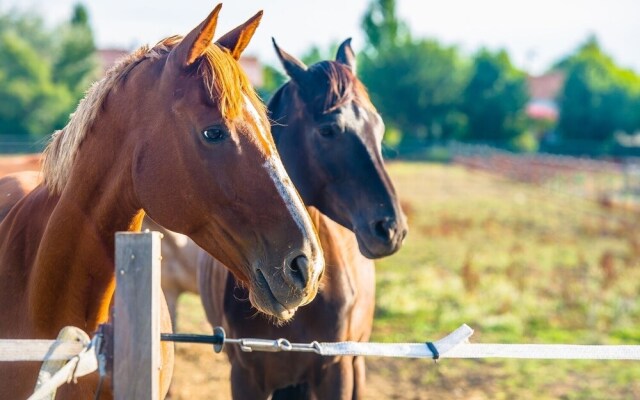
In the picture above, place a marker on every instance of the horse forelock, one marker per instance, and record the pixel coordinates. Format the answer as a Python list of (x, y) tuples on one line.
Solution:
[(227, 83), (341, 87), (222, 76)]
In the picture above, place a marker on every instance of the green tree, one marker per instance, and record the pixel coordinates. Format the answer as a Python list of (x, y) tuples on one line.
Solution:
[(30, 103), (495, 98), (598, 98), (29, 27), (43, 72), (76, 64), (382, 27), (272, 79), (315, 54), (80, 16), (415, 83), (417, 86)]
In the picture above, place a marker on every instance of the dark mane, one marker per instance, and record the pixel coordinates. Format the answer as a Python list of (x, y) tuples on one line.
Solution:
[(334, 86)]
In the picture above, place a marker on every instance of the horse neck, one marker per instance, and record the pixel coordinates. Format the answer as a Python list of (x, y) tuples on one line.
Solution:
[(343, 262), (73, 276)]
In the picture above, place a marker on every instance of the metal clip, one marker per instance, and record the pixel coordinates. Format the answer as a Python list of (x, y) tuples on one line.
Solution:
[(250, 345), (313, 347)]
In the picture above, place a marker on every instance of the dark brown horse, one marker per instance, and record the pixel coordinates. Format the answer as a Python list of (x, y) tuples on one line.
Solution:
[(329, 137), (175, 131)]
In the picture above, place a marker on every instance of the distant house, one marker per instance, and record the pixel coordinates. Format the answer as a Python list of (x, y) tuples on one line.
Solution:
[(108, 57), (544, 91), (253, 69), (250, 64)]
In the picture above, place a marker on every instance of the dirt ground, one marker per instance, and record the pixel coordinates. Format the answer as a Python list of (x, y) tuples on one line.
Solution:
[(201, 374)]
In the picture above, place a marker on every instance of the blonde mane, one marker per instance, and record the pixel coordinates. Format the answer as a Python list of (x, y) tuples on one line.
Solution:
[(222, 76)]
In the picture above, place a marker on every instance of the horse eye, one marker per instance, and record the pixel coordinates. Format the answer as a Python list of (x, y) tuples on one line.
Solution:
[(214, 134), (328, 131)]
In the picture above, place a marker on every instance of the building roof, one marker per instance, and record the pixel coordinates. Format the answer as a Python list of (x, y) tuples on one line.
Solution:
[(547, 86), (108, 57), (544, 91)]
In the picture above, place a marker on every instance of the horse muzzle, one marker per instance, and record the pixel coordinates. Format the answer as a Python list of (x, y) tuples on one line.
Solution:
[(381, 237), (281, 292)]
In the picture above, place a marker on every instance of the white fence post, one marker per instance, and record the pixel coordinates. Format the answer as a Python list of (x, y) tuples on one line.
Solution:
[(137, 316)]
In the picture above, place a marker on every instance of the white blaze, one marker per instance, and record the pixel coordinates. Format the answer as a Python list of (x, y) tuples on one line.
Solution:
[(377, 133), (285, 188)]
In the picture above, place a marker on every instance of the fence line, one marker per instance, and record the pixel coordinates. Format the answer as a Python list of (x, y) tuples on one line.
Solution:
[(136, 337), (38, 350)]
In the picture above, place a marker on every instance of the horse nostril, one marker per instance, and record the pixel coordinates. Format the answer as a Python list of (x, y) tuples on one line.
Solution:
[(299, 270), (294, 264), (385, 229)]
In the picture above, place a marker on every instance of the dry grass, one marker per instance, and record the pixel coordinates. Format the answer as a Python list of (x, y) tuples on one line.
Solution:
[(517, 263)]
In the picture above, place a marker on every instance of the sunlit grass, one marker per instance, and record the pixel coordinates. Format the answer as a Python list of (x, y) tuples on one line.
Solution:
[(520, 264)]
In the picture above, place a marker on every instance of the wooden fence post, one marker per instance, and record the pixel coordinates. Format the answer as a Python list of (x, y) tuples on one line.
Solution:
[(137, 316)]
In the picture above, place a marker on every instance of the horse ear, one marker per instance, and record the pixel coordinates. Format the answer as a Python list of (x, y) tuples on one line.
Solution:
[(238, 39), (346, 56), (294, 67), (195, 43)]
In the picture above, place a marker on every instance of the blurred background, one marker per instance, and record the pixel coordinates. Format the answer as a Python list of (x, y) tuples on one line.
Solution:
[(557, 77), (512, 135)]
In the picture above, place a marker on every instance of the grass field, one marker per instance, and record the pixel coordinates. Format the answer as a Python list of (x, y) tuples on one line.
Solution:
[(517, 263)]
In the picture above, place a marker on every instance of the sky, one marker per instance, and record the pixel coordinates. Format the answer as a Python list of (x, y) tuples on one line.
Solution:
[(536, 33)]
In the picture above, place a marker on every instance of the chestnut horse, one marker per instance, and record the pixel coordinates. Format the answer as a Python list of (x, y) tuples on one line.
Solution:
[(175, 131), (329, 137)]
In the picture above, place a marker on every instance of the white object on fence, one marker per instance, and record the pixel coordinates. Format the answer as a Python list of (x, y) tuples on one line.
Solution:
[(545, 351), (38, 350), (455, 345), (411, 350), (84, 363), (51, 367)]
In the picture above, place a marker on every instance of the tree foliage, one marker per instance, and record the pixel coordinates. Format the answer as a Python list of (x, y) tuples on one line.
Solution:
[(272, 79), (495, 98), (427, 91), (599, 97), (43, 72), (416, 84), (76, 64), (417, 87), (382, 27)]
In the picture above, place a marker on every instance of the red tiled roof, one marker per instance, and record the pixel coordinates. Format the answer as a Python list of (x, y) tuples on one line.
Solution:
[(547, 86), (108, 57), (252, 67)]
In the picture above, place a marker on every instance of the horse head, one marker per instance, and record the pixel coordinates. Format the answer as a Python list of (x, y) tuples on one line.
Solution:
[(329, 137), (205, 165)]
